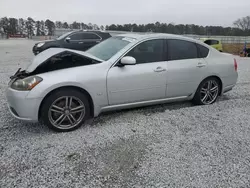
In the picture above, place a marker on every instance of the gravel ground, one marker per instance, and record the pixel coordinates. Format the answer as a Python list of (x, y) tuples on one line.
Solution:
[(173, 145)]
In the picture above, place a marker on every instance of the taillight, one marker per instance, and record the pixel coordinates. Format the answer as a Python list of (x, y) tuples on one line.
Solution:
[(235, 65)]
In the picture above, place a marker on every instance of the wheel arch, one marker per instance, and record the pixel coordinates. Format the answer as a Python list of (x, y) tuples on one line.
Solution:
[(218, 78), (90, 99)]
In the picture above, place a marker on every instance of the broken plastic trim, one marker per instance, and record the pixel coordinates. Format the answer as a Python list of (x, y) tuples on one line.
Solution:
[(19, 74)]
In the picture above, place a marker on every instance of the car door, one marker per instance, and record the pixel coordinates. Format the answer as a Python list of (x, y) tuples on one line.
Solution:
[(89, 40), (144, 81), (185, 68), (74, 42)]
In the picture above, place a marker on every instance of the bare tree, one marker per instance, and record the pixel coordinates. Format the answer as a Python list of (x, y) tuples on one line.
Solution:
[(90, 26), (30, 24), (65, 25), (102, 27), (95, 27), (58, 24), (243, 23)]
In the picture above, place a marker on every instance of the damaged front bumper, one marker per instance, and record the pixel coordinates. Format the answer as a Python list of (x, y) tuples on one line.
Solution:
[(22, 107)]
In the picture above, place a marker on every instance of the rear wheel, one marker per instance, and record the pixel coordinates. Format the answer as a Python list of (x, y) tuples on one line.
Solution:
[(65, 110), (207, 92)]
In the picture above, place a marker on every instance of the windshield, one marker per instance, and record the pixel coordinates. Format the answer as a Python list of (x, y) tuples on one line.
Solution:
[(108, 48), (64, 35)]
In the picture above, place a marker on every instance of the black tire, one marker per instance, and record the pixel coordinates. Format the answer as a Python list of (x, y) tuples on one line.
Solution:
[(197, 100), (56, 95)]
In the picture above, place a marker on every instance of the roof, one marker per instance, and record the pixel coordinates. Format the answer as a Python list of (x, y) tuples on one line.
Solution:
[(142, 36), (102, 34)]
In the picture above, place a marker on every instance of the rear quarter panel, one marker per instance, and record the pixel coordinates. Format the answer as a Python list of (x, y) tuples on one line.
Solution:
[(222, 65)]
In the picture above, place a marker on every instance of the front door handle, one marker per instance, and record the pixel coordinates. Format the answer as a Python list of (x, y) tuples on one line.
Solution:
[(80, 42), (201, 65), (159, 69)]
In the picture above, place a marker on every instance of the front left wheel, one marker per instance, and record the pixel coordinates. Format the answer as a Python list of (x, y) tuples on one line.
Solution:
[(65, 110)]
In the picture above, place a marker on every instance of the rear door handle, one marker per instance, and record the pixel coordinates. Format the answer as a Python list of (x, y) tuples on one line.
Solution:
[(80, 42), (201, 65), (159, 69)]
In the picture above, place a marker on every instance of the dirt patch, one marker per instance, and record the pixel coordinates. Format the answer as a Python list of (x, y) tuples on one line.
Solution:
[(234, 48)]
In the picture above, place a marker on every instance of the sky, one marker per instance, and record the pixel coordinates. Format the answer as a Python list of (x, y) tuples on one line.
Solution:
[(103, 12)]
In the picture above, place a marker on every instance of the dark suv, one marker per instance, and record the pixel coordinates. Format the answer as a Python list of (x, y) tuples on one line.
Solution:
[(77, 40)]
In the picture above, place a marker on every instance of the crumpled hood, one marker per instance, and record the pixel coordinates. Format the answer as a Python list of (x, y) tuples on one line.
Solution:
[(43, 56)]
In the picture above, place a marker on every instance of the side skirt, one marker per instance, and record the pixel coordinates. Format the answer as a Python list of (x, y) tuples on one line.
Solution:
[(143, 103)]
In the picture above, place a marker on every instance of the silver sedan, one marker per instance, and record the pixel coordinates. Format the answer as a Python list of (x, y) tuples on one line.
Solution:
[(63, 88)]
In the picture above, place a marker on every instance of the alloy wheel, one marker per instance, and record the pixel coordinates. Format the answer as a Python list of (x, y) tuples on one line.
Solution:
[(66, 112), (209, 92)]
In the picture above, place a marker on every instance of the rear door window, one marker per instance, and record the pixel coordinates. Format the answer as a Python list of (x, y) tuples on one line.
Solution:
[(90, 36), (181, 49), (76, 36), (202, 50)]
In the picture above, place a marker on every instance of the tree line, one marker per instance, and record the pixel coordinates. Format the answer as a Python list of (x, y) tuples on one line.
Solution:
[(241, 28), (30, 27)]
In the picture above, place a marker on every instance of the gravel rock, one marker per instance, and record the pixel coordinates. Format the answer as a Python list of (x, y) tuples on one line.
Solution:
[(172, 145)]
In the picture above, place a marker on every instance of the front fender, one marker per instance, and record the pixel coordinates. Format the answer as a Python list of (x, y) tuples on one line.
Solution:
[(40, 95), (90, 78), (40, 91), (98, 94)]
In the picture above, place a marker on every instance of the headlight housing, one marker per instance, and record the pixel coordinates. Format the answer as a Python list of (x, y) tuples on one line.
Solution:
[(40, 44), (26, 84)]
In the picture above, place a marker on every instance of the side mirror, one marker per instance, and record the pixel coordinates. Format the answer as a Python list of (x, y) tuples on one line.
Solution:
[(67, 39), (128, 60)]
